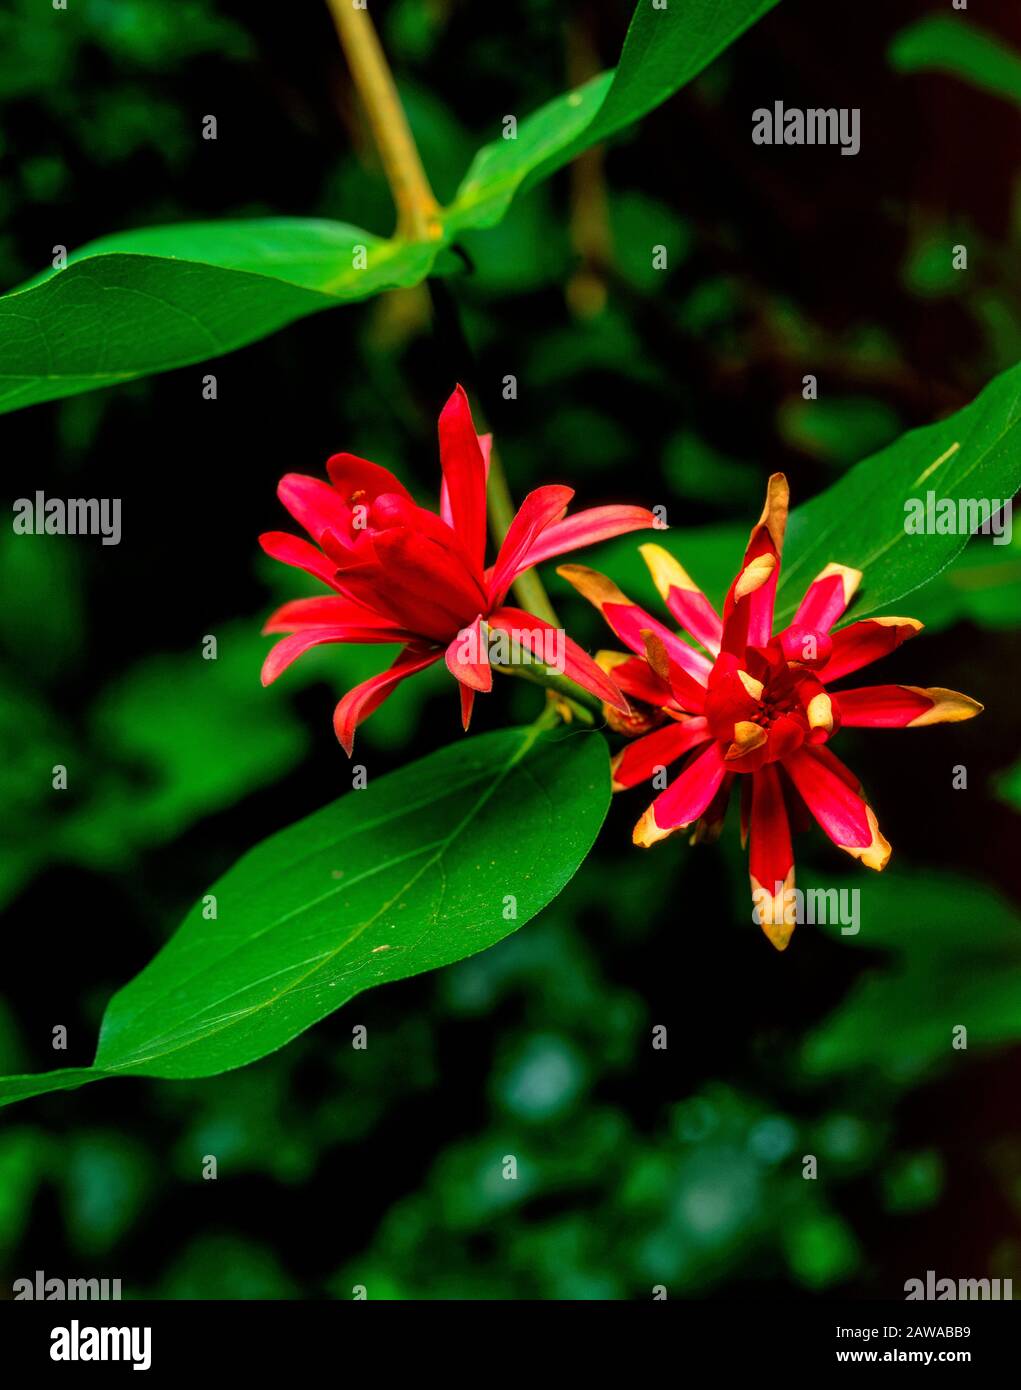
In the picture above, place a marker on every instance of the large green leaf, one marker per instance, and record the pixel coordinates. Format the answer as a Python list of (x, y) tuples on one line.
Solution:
[(860, 519), (664, 50), (164, 297), (424, 867), (149, 300)]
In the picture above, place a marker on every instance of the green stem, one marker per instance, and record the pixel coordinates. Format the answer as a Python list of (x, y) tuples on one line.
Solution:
[(418, 213), (560, 689)]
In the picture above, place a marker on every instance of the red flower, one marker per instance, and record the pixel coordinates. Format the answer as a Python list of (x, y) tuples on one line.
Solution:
[(757, 705), (401, 573)]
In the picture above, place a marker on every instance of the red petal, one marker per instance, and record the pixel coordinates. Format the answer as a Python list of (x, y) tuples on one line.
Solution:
[(464, 473), (630, 623), (486, 445), (539, 510), (748, 610), (587, 528), (636, 678), (331, 611), (418, 584), (685, 799), (848, 820), (578, 665), (467, 658), (859, 644), (467, 704), (351, 474), (827, 597), (292, 550), (683, 597), (639, 760), (902, 706), (288, 649), (770, 857), (359, 703), (315, 505)]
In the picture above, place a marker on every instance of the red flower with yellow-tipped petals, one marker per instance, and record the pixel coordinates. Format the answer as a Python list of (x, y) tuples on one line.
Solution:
[(401, 573), (756, 705)]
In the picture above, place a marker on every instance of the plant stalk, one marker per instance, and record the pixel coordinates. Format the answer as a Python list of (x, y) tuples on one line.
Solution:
[(418, 213)]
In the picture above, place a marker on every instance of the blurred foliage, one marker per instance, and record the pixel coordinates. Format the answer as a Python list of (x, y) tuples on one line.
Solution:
[(383, 1167)]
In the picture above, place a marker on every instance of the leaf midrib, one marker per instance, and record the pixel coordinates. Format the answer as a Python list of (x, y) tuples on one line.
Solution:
[(532, 734)]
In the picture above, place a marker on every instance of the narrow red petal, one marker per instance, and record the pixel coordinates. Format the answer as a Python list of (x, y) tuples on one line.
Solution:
[(538, 511), (588, 528), (770, 857), (827, 597), (288, 649), (464, 473), (331, 610), (685, 799), (639, 760), (359, 703), (902, 706), (861, 643), (292, 550), (848, 820), (631, 623), (467, 704), (748, 610), (683, 597)]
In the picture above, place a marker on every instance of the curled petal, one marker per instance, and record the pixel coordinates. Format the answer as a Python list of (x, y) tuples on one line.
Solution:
[(636, 678), (357, 480), (902, 706), (315, 505), (359, 703), (845, 817), (467, 658)]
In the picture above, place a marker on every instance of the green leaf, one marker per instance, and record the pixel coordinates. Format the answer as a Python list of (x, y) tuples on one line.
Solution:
[(158, 298), (946, 44), (164, 297), (859, 521), (426, 866), (663, 51)]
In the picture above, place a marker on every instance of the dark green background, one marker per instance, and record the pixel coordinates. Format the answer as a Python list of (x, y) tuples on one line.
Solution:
[(383, 1167)]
